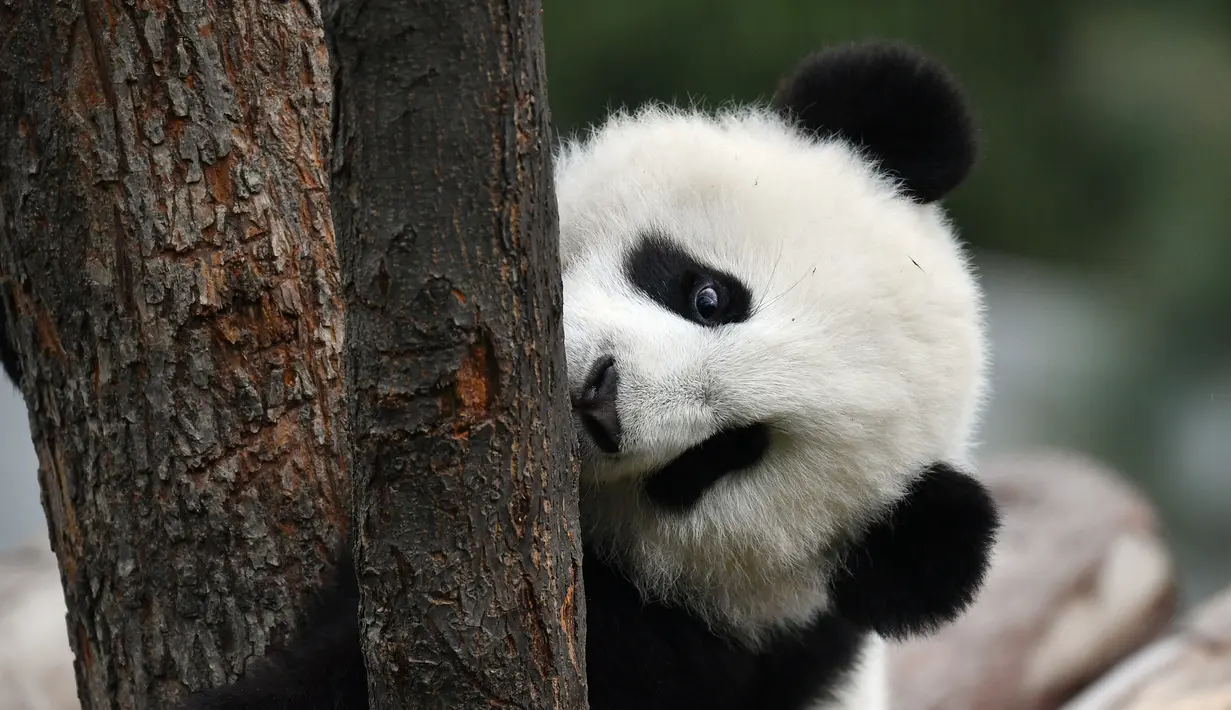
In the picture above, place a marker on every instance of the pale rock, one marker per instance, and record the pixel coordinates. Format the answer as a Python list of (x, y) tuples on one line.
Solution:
[(1080, 578), (1189, 669), (36, 663)]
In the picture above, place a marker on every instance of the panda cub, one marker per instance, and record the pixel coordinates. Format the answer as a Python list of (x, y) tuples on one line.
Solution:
[(776, 356)]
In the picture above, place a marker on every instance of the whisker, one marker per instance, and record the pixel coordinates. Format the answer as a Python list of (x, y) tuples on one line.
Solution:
[(774, 299)]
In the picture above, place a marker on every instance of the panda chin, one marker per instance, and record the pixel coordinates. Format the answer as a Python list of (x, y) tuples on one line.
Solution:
[(680, 484)]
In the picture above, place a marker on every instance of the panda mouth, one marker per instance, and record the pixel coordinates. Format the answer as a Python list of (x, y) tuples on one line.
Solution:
[(681, 483)]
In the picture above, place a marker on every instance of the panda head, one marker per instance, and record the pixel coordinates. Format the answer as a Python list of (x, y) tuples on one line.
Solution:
[(776, 351)]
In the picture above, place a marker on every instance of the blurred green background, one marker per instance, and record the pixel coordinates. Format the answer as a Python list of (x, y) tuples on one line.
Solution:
[(1100, 212)]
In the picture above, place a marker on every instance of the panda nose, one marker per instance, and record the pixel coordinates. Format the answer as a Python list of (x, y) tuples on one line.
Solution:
[(596, 405)]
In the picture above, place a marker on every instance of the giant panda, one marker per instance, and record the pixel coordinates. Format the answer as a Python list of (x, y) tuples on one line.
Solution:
[(776, 358)]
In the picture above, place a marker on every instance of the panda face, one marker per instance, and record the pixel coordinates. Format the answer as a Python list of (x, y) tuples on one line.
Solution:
[(768, 336), (655, 331), (720, 273)]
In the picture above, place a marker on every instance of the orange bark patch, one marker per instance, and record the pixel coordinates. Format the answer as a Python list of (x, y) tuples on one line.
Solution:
[(218, 177), (472, 385), (83, 645), (470, 400)]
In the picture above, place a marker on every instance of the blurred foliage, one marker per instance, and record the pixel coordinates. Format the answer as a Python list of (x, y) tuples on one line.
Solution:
[(1106, 158), (1089, 110)]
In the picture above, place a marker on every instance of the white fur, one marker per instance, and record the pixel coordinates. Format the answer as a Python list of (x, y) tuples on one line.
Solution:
[(866, 349), (868, 689)]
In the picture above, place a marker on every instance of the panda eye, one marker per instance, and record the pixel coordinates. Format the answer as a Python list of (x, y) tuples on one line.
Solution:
[(706, 301)]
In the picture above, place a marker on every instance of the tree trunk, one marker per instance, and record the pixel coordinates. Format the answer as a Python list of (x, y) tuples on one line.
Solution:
[(167, 259), (467, 549)]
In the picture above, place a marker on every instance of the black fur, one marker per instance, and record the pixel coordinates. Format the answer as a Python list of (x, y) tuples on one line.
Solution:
[(642, 656), (678, 486), (321, 669), (899, 106), (652, 656), (921, 565), (8, 353), (670, 276)]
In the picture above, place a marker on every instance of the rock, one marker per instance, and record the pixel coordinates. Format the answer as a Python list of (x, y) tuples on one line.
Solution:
[(1189, 669), (36, 664), (1080, 578)]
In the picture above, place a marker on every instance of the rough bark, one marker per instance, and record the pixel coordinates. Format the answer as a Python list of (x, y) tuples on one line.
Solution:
[(467, 546), (167, 261)]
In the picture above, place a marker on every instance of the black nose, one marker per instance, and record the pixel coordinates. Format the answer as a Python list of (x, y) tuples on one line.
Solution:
[(596, 405)]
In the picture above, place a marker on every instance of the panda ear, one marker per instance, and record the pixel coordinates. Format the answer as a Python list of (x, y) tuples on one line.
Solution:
[(903, 109), (921, 565)]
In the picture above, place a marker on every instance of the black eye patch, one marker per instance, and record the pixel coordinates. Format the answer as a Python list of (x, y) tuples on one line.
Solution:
[(662, 270)]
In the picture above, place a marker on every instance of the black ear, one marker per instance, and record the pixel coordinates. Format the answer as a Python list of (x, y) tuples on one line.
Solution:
[(923, 564), (900, 107)]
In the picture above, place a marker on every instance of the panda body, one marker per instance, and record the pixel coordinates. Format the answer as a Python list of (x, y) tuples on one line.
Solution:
[(776, 359)]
